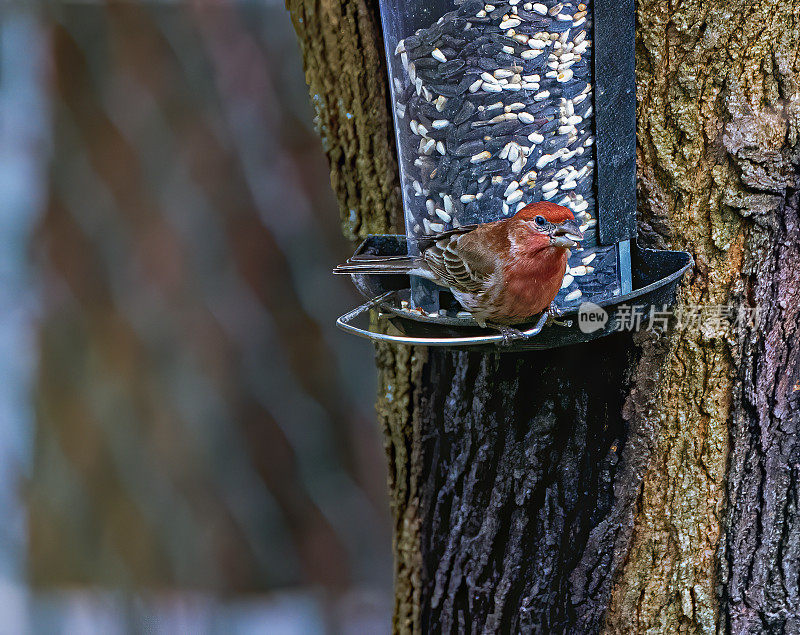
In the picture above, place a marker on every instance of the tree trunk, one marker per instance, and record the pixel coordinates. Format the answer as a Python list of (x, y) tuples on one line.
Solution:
[(645, 483)]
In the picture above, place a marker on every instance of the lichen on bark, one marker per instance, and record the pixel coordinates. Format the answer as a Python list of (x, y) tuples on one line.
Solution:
[(345, 70), (717, 108)]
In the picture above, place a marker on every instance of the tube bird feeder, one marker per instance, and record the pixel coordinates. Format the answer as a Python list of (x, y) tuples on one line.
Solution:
[(497, 105)]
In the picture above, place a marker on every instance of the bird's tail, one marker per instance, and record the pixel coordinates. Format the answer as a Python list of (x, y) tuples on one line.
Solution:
[(378, 265)]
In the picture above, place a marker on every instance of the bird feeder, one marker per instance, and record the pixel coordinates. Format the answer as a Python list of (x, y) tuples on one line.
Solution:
[(497, 105)]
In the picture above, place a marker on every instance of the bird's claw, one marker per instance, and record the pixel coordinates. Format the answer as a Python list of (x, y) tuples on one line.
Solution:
[(509, 333), (553, 312)]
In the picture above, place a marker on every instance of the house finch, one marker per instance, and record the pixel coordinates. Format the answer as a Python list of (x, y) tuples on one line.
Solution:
[(502, 272)]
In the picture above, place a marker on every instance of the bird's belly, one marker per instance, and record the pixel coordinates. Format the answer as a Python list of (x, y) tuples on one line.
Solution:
[(523, 299), (516, 298), (470, 301), (505, 307)]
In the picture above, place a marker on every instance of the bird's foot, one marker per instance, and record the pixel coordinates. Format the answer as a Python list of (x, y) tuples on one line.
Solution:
[(553, 313), (509, 333)]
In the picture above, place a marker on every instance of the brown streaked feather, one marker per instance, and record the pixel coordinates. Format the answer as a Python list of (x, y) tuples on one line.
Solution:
[(425, 242), (460, 258)]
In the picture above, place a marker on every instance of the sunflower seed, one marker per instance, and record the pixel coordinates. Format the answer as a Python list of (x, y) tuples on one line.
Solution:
[(514, 197), (514, 185), (565, 76), (437, 54)]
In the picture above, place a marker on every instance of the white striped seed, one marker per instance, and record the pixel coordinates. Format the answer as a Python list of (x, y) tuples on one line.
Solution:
[(514, 197), (544, 160), (549, 186), (448, 203)]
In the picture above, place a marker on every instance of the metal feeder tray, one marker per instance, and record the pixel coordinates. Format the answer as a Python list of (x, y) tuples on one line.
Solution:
[(656, 274)]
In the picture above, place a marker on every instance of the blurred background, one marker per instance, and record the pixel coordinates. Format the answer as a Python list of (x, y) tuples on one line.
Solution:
[(188, 444)]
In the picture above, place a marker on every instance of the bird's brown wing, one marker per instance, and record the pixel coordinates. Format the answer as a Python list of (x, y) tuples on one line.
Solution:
[(460, 260), (425, 242)]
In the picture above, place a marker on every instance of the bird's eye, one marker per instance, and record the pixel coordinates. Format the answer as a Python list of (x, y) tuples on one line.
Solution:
[(540, 221)]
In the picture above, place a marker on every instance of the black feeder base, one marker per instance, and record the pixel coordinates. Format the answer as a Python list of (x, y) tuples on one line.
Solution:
[(387, 318)]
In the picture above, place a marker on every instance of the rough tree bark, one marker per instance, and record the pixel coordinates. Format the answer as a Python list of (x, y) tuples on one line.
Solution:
[(633, 484)]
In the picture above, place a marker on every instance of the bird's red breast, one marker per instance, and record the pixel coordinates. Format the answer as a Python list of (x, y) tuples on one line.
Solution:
[(532, 280), (509, 270)]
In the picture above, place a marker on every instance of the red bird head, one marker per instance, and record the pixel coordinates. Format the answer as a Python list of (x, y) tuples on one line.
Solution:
[(555, 222)]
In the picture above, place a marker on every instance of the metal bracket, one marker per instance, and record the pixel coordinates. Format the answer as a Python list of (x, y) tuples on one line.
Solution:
[(345, 323)]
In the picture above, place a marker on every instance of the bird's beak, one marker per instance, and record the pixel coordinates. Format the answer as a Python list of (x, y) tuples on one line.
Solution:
[(568, 234)]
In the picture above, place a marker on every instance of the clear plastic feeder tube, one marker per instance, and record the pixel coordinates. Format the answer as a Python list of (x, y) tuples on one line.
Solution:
[(493, 109)]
